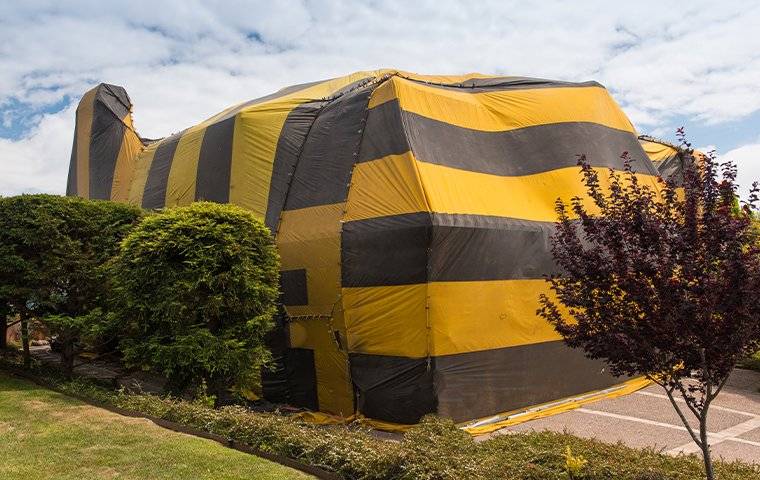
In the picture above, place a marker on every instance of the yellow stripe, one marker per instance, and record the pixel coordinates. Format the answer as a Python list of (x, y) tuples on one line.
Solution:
[(124, 170), (253, 149), (451, 190), (310, 238), (387, 320), (503, 110), (84, 115), (142, 164), (657, 152), (334, 390), (463, 317), (485, 315), (180, 188), (442, 79), (387, 186)]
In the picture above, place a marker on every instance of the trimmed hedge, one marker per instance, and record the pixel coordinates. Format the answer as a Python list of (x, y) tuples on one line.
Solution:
[(194, 293)]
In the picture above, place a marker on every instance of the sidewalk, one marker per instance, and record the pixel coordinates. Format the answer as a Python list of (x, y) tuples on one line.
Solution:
[(647, 419)]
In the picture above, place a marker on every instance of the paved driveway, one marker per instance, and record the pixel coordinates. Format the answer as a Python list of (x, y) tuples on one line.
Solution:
[(647, 419)]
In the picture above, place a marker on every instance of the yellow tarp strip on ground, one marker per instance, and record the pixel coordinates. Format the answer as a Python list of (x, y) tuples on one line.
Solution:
[(515, 417), (496, 422)]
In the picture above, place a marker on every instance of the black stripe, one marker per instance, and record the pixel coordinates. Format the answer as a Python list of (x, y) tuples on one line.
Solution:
[(71, 184), (673, 169), (114, 98), (154, 195), (302, 378), (471, 385), (522, 151), (475, 247), (272, 96), (394, 389), (292, 148), (419, 247), (385, 251), (106, 137), (274, 377), (289, 145), (384, 132), (215, 162), (478, 384), (322, 174), (492, 84), (293, 287)]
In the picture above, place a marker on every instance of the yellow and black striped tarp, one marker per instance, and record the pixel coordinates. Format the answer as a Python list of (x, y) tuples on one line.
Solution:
[(413, 216), (670, 160)]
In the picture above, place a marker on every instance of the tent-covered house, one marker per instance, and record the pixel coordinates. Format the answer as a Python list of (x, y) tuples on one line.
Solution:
[(412, 214)]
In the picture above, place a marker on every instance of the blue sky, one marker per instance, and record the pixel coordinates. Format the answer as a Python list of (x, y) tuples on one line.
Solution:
[(695, 63)]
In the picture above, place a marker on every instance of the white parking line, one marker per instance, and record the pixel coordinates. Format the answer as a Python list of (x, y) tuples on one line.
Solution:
[(714, 438), (729, 434), (681, 400), (631, 419)]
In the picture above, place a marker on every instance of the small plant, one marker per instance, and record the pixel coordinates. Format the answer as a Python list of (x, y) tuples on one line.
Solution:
[(574, 463)]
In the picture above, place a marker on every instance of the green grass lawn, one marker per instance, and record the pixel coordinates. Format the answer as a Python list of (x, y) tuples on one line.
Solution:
[(46, 435)]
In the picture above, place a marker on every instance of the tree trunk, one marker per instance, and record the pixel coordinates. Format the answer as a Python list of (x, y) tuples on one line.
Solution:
[(67, 358), (25, 340), (220, 388), (705, 446), (3, 331)]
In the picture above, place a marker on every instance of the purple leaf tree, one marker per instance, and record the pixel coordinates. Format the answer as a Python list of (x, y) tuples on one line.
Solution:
[(664, 284)]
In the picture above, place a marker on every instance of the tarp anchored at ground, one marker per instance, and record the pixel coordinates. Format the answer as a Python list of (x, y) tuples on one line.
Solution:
[(413, 216)]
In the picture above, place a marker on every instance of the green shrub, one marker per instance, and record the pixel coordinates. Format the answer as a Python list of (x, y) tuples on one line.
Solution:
[(195, 290), (52, 255)]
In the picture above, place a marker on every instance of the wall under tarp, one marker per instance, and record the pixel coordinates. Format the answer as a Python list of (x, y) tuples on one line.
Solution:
[(412, 214)]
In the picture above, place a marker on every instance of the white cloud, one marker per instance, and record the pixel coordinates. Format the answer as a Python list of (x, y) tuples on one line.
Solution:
[(183, 60), (747, 160), (39, 162)]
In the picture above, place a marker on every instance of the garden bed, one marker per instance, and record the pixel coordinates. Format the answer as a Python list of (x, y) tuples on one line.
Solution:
[(435, 449)]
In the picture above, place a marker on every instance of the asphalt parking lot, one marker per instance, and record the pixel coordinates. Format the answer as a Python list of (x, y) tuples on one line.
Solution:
[(647, 419)]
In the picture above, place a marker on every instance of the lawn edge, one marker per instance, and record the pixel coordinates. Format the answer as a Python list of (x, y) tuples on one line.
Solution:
[(179, 428)]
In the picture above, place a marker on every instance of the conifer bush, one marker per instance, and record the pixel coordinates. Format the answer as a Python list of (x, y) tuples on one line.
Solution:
[(194, 293)]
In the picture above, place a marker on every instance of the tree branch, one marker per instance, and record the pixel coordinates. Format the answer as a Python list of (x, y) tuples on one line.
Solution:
[(669, 391), (720, 387), (685, 396)]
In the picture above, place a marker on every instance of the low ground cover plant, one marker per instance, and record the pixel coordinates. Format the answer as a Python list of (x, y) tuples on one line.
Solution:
[(433, 450)]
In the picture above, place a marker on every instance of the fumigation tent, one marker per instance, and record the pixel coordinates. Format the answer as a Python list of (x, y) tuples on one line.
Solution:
[(412, 214)]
